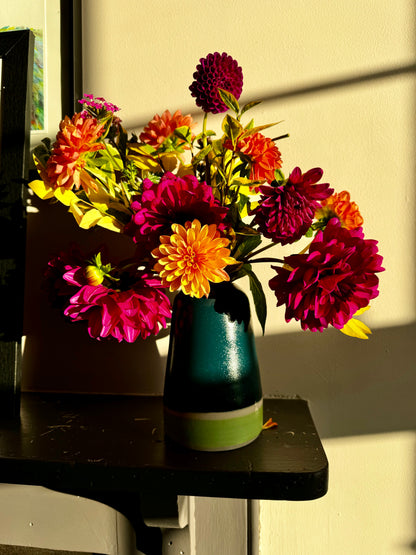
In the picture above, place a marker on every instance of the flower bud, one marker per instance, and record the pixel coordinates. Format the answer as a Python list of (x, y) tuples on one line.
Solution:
[(93, 275)]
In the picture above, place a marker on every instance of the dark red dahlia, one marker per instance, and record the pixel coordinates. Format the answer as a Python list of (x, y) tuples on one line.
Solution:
[(330, 283), (56, 286), (285, 212), (173, 200), (213, 72)]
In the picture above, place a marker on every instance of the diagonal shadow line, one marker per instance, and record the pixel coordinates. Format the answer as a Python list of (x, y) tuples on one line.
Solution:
[(344, 82), (318, 87)]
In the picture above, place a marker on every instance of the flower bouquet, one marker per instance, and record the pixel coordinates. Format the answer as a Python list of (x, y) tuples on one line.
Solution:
[(200, 209)]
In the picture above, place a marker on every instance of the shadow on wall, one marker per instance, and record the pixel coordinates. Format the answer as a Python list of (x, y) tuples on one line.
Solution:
[(353, 387)]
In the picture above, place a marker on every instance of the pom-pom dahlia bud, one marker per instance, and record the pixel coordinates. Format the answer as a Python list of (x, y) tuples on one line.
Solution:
[(214, 72)]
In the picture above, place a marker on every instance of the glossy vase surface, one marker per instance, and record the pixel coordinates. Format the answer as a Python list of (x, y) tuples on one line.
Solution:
[(212, 396)]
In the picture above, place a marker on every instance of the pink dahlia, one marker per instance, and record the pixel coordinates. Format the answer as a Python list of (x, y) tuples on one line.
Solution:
[(330, 283), (125, 315), (173, 200), (214, 72), (285, 212)]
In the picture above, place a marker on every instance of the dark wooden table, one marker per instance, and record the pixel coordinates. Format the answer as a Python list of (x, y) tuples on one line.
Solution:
[(113, 449)]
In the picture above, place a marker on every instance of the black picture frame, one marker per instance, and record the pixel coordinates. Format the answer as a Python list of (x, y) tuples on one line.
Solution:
[(16, 55), (71, 55)]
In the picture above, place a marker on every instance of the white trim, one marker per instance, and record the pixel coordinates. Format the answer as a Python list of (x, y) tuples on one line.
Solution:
[(218, 526)]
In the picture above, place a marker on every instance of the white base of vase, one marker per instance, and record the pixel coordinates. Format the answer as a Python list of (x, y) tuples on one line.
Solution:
[(215, 431)]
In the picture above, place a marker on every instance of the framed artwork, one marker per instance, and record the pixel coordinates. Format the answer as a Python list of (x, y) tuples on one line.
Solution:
[(40, 70), (57, 69), (16, 59)]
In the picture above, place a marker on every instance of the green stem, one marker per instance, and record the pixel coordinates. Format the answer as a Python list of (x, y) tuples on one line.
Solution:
[(255, 253), (285, 136), (204, 130), (205, 143), (267, 259)]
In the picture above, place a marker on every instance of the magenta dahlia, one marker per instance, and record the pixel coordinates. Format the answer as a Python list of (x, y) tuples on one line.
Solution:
[(330, 283), (213, 72), (173, 200), (125, 315), (285, 212)]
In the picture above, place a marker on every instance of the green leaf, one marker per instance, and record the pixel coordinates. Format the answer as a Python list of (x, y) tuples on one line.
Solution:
[(229, 100), (256, 289), (246, 245), (183, 133), (232, 128), (201, 155), (279, 178), (250, 125), (207, 133), (249, 106), (258, 128), (259, 298)]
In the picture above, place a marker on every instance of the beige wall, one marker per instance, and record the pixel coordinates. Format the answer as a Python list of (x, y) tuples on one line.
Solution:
[(141, 56)]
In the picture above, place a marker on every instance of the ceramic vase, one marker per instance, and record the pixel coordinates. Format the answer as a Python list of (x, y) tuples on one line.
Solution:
[(212, 394)]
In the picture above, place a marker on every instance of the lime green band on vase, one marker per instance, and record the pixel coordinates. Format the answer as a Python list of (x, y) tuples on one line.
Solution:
[(215, 431)]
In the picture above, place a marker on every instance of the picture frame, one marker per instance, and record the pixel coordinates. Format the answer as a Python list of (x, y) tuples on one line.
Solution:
[(16, 58), (57, 71), (62, 34)]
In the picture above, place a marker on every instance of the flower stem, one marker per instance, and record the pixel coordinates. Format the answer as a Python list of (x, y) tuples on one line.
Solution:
[(267, 259), (285, 136), (204, 130), (258, 251)]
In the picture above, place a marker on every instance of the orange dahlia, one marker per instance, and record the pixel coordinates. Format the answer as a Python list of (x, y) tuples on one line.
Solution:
[(263, 155), (340, 206), (192, 257), (76, 140), (162, 127)]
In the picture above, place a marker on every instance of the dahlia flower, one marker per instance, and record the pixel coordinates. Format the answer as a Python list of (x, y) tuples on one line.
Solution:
[(328, 285), (263, 155), (125, 315), (163, 127), (340, 206), (173, 200), (57, 287), (214, 72), (285, 212), (77, 139), (191, 257)]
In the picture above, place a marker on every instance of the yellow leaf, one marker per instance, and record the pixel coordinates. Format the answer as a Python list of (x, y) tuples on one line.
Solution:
[(77, 212), (91, 217), (111, 224), (356, 328), (41, 190), (66, 196)]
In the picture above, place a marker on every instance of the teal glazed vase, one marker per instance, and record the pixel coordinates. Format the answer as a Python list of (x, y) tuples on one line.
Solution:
[(212, 395)]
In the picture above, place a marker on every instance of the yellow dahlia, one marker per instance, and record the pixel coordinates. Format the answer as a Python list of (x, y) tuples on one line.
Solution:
[(192, 257)]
